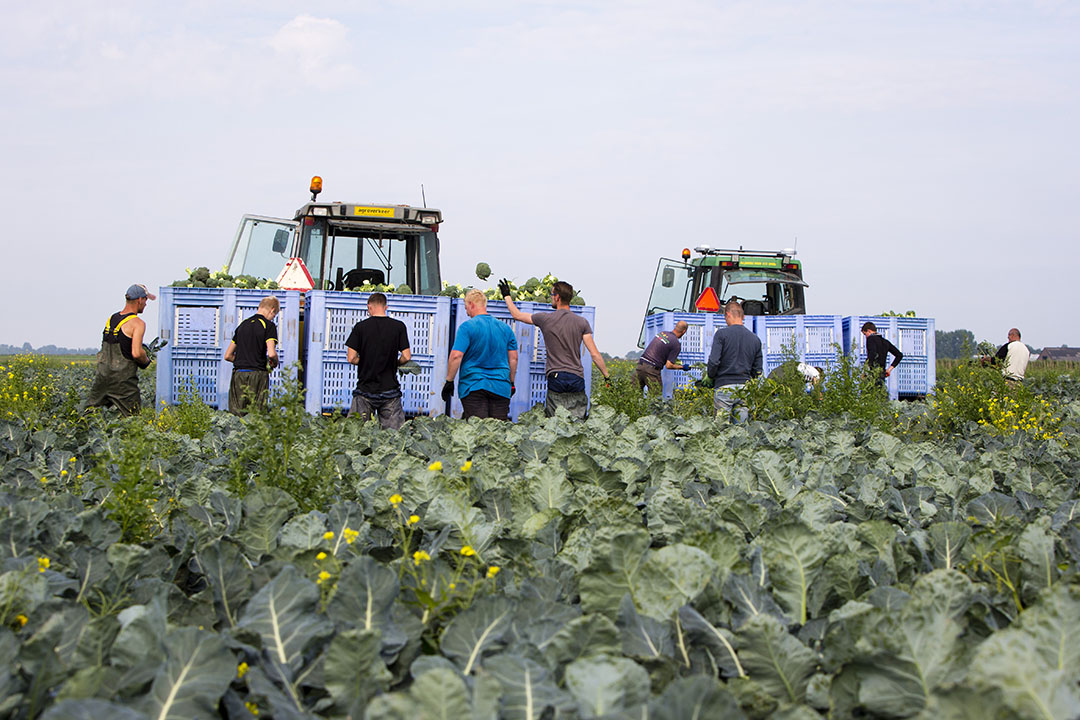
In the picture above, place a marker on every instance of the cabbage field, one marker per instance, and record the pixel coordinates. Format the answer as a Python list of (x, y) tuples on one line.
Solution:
[(190, 564)]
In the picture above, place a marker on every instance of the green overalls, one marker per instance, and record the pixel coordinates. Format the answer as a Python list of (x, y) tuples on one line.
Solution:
[(116, 380)]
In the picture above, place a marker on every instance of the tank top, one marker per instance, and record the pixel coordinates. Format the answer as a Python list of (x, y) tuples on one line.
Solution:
[(114, 336)]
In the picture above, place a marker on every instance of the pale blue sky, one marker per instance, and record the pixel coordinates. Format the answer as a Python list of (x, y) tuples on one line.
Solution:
[(925, 154)]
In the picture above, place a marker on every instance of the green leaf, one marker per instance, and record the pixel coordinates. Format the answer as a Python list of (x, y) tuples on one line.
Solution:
[(642, 636), (354, 671), (198, 669), (947, 539), (284, 614), (671, 577), (527, 687), (440, 695), (611, 576), (695, 698), (229, 576), (720, 642), (91, 709), (794, 556), (1010, 661), (304, 532), (265, 511), (602, 684), (587, 635), (1036, 547), (477, 630), (365, 595), (775, 659)]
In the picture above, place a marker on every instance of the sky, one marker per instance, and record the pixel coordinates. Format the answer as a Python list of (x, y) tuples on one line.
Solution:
[(922, 155)]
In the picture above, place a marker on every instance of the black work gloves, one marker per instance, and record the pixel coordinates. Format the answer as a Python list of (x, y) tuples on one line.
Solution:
[(513, 388), (504, 288), (448, 390)]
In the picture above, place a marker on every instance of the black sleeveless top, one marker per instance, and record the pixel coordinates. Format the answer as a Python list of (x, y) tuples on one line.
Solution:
[(114, 336)]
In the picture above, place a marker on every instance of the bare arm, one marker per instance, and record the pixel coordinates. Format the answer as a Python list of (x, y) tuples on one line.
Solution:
[(230, 353), (517, 314), (597, 358), (404, 357), (512, 358), (672, 366), (138, 354), (453, 364), (271, 352), (352, 356)]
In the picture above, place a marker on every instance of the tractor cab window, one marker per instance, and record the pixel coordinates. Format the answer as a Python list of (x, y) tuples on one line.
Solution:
[(763, 292), (262, 247), (354, 254), (671, 290)]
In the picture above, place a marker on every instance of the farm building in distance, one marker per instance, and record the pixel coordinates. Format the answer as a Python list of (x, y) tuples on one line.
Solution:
[(1060, 353)]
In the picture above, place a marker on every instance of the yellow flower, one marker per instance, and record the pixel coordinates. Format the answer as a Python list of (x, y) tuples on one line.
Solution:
[(328, 535), (241, 669), (419, 556), (71, 460), (467, 466), (21, 619), (63, 473), (252, 707), (396, 499), (322, 576), (453, 585), (350, 535), (321, 556), (435, 466), (43, 564), (44, 479), (467, 551), (413, 519), (493, 571)]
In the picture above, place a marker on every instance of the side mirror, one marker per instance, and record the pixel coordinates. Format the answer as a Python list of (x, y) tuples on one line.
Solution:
[(281, 240), (667, 278)]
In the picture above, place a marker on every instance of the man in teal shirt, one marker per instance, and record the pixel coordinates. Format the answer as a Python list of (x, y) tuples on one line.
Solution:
[(485, 350)]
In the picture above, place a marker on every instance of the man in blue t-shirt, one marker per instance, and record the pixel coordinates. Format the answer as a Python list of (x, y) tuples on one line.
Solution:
[(485, 350)]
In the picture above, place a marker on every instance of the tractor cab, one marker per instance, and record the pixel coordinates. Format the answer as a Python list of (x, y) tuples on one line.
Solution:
[(344, 245), (767, 283)]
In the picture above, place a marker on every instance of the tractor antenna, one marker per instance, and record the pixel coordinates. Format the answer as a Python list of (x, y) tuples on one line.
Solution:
[(423, 197)]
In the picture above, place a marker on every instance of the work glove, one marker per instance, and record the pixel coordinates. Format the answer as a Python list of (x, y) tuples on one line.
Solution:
[(607, 382), (504, 288), (513, 388), (447, 390)]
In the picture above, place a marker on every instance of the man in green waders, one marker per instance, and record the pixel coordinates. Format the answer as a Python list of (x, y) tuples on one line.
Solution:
[(122, 353), (252, 350)]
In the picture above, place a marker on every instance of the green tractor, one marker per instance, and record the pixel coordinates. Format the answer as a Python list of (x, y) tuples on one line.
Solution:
[(766, 282)]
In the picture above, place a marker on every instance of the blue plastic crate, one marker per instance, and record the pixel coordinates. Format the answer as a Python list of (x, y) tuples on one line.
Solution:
[(914, 337), (520, 402), (330, 379), (696, 343), (199, 325)]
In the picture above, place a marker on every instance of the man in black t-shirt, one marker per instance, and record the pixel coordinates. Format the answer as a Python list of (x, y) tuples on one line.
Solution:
[(253, 352), (377, 346), (877, 350)]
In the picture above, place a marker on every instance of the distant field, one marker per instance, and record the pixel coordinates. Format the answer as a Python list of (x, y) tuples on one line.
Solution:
[(55, 360), (1037, 369)]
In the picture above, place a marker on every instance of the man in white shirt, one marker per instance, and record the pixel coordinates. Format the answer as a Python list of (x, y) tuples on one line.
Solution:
[(1014, 355)]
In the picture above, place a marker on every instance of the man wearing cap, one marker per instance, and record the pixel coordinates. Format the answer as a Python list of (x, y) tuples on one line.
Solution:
[(122, 353), (253, 352)]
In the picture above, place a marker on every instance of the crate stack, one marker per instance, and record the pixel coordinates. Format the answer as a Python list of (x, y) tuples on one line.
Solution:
[(816, 339), (199, 325), (330, 379), (914, 337)]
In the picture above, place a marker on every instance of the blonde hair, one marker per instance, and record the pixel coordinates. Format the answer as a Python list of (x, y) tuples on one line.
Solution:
[(270, 303), (476, 297)]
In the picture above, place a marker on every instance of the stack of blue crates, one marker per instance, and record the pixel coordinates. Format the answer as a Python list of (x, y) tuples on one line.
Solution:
[(816, 339), (199, 325), (914, 337), (330, 379)]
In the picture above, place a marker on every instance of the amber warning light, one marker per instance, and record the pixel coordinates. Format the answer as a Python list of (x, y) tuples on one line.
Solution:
[(316, 187), (685, 254)]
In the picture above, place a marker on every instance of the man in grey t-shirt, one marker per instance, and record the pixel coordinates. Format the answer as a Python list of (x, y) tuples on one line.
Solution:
[(564, 332)]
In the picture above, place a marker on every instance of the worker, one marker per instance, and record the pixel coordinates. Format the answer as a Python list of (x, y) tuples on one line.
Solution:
[(735, 358), (253, 353), (485, 350), (661, 354), (877, 350), (377, 346), (122, 353), (1015, 356), (810, 375), (564, 331)]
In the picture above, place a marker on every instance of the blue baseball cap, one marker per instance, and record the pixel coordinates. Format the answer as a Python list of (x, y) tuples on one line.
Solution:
[(139, 291)]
